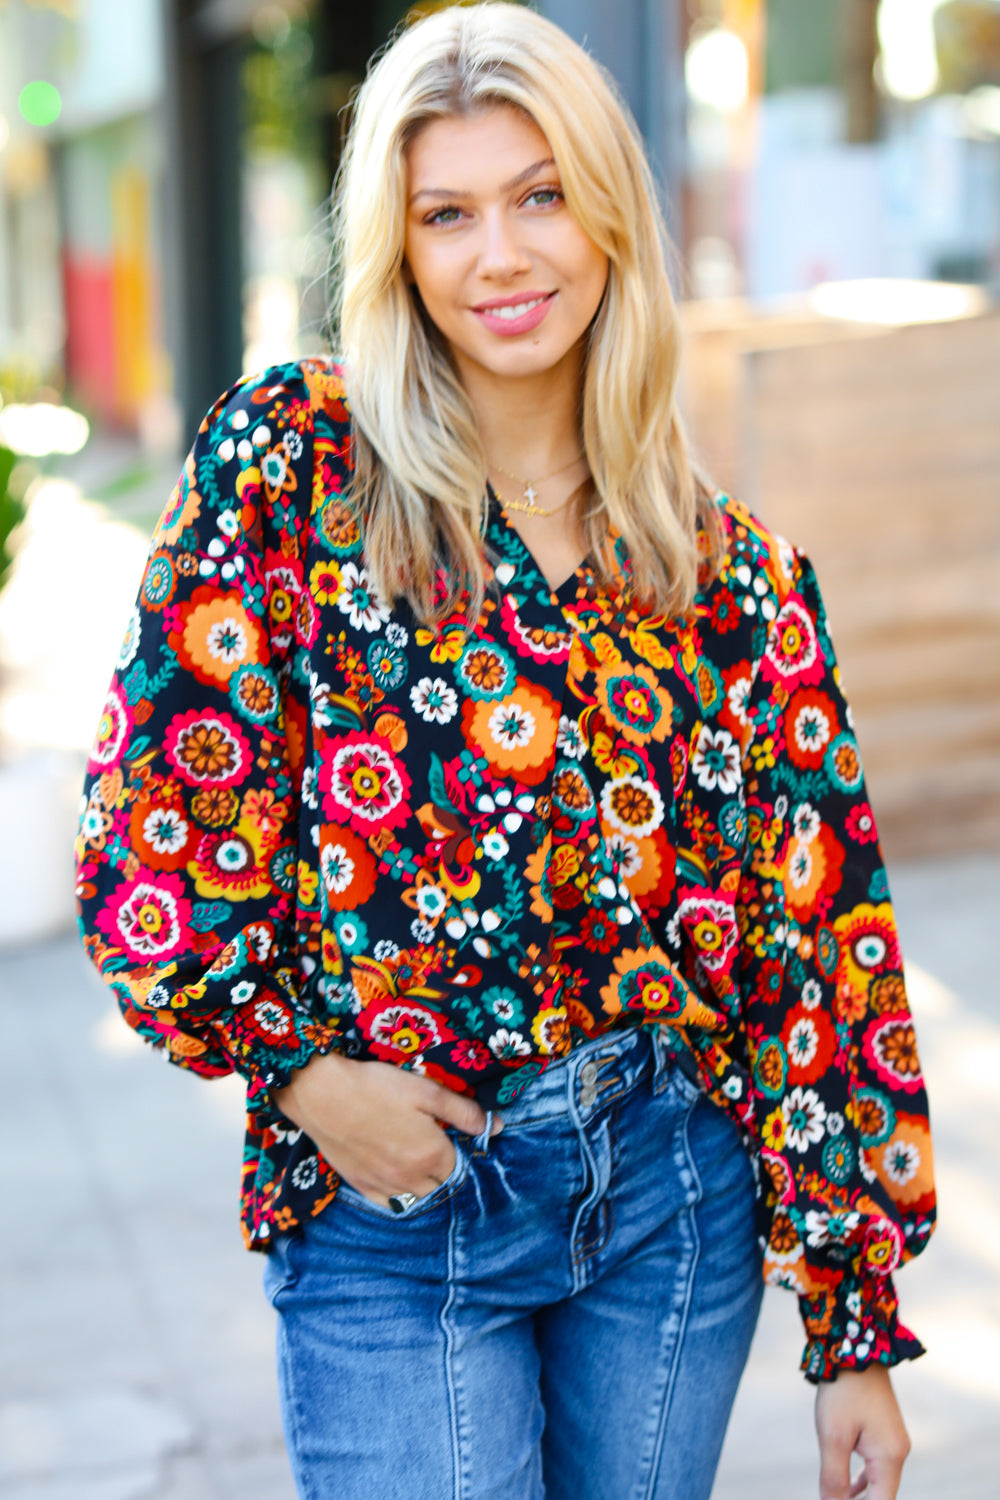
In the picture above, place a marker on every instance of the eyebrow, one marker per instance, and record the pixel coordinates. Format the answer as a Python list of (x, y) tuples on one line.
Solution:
[(506, 187)]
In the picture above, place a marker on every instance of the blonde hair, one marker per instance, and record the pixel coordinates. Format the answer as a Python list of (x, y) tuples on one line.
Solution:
[(420, 476)]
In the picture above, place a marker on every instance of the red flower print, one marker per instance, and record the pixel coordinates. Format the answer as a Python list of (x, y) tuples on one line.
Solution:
[(810, 1043), (793, 650), (810, 724), (147, 916), (347, 868), (860, 824), (207, 747), (112, 731), (365, 784)]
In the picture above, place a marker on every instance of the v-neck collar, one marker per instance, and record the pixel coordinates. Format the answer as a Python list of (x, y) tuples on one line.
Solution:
[(512, 548)]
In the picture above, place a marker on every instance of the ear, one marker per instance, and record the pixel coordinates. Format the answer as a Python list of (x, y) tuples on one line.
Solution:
[(406, 273)]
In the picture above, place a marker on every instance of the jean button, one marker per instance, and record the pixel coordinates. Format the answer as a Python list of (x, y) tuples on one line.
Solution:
[(588, 1075)]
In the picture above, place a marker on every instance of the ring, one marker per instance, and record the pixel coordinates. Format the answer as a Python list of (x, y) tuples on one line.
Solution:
[(400, 1202)]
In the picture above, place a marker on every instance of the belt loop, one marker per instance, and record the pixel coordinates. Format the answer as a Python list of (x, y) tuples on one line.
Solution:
[(661, 1053), (482, 1140)]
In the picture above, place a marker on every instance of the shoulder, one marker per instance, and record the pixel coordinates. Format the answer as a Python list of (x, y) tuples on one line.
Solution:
[(298, 395), (759, 568)]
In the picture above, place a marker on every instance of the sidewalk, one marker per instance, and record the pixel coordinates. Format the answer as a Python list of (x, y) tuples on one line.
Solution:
[(135, 1344)]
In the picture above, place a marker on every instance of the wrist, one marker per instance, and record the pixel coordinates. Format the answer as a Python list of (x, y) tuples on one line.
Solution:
[(293, 1099)]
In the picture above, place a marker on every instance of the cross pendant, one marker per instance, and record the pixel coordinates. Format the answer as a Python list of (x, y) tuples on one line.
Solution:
[(531, 494)]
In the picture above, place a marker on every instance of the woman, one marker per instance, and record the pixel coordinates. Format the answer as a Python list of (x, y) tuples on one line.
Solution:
[(479, 786)]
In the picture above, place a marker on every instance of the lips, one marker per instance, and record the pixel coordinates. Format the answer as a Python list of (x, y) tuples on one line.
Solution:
[(517, 314)]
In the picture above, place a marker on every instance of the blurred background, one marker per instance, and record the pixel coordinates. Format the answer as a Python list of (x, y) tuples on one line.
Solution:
[(832, 177)]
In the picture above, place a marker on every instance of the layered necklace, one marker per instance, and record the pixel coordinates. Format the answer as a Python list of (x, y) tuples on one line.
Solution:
[(526, 505)]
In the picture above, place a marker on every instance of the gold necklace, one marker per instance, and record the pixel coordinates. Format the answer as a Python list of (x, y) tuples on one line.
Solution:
[(531, 509), (531, 493)]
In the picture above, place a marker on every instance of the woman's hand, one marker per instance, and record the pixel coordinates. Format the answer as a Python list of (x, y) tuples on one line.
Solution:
[(858, 1412), (380, 1128)]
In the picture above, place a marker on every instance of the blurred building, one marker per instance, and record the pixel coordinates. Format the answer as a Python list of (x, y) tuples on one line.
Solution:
[(81, 229)]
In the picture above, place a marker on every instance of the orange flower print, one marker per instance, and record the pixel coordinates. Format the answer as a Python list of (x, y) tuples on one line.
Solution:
[(517, 735), (182, 510), (634, 702), (216, 636), (214, 806), (550, 1029), (890, 1045), (905, 1163), (631, 805)]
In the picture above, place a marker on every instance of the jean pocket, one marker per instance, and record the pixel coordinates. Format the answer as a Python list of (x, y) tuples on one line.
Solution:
[(444, 1190)]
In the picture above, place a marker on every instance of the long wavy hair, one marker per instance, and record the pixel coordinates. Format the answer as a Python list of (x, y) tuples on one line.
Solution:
[(420, 476)]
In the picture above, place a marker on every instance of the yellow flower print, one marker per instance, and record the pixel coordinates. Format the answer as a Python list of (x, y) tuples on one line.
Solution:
[(762, 754), (447, 646), (773, 1130), (606, 651), (325, 582), (612, 757), (308, 885)]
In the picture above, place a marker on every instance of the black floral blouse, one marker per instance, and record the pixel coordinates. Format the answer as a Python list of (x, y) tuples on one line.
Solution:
[(312, 823)]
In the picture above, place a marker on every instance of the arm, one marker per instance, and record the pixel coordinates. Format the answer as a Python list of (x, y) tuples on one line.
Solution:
[(188, 842), (839, 1102), (194, 904)]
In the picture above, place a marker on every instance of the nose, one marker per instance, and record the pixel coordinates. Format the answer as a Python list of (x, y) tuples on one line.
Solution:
[(501, 255)]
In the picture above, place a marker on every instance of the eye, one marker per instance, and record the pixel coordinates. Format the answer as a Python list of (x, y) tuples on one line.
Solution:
[(543, 197), (449, 214)]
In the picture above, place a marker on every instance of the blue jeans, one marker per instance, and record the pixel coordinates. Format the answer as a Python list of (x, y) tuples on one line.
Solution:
[(567, 1316)]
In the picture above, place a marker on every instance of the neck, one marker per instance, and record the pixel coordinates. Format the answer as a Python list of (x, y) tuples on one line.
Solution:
[(529, 424)]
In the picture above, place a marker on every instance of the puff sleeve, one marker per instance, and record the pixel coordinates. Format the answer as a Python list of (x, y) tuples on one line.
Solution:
[(193, 903), (838, 1098)]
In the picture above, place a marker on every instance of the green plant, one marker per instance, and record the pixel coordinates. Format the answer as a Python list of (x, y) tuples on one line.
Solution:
[(11, 511)]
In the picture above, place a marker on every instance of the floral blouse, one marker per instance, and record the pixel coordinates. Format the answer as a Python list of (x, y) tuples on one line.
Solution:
[(310, 822)]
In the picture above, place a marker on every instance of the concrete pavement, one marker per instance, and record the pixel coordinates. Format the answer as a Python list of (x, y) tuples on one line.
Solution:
[(135, 1345)]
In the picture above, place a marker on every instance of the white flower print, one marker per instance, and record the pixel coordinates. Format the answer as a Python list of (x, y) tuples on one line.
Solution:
[(803, 1041), (130, 644), (716, 760), (304, 1174), (507, 1044), (495, 846), (822, 1227), (309, 788), (805, 1118), (738, 699), (336, 868), (434, 700), (165, 830), (812, 730), (625, 853), (569, 739), (511, 726), (812, 994), (806, 822), (358, 600), (319, 694), (901, 1161)]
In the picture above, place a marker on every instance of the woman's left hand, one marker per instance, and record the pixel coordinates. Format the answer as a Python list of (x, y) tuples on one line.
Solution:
[(858, 1412)]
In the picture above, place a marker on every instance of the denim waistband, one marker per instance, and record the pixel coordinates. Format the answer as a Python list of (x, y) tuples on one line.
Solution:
[(591, 1076)]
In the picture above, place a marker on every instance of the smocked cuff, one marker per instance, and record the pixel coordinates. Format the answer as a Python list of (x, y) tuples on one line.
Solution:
[(853, 1325)]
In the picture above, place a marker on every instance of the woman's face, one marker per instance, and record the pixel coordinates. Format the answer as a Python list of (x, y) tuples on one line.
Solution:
[(502, 267)]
